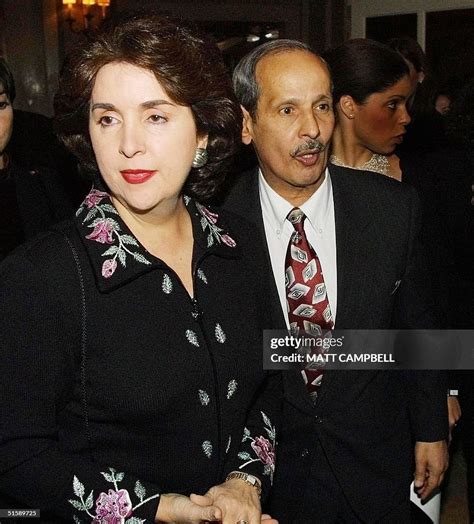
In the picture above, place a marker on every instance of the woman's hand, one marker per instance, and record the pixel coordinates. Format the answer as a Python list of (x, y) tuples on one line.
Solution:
[(237, 501), (176, 508)]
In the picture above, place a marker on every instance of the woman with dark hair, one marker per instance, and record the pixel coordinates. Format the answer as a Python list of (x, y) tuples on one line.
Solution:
[(31, 199), (372, 87), (132, 384)]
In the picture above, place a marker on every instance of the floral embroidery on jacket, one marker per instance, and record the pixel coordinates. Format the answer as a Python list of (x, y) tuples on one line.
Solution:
[(209, 221), (112, 507), (106, 230), (263, 448)]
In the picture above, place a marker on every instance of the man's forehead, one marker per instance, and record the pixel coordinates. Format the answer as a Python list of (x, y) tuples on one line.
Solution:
[(290, 70)]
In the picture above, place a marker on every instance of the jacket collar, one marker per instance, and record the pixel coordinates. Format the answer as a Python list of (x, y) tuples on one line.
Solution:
[(116, 255)]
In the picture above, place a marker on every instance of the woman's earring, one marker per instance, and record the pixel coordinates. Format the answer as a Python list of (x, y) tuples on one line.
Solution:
[(200, 158)]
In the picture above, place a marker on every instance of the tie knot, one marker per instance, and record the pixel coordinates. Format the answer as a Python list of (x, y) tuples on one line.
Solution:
[(296, 217)]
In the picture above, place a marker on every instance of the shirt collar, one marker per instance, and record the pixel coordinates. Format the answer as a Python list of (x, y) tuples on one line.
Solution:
[(116, 255), (276, 208)]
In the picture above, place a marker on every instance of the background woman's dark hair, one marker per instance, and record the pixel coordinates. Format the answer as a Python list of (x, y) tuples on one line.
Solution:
[(361, 67), (7, 80), (188, 66)]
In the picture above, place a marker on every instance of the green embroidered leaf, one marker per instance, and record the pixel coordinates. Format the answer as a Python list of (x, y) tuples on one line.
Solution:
[(210, 240), (119, 477), (76, 519), (186, 199), (140, 258), (109, 208), (267, 470), (92, 213), (167, 284), (127, 239), (266, 419), (90, 500), (204, 397), (107, 476), (140, 491), (135, 520), (220, 335), (122, 256), (228, 444), (204, 223), (111, 251), (114, 224), (79, 211), (271, 433), (192, 338), (246, 432), (231, 388), (202, 276), (207, 448), (77, 504), (78, 487), (243, 455)]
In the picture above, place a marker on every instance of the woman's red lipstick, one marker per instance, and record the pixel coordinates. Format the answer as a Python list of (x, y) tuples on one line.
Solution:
[(137, 176)]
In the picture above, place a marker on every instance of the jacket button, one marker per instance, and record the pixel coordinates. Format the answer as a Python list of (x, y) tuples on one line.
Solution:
[(304, 453), (318, 419)]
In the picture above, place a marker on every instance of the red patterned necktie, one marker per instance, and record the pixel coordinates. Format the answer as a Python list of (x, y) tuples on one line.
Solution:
[(308, 305)]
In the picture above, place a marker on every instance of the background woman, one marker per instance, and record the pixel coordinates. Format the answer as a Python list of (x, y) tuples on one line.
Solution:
[(372, 87), (131, 353)]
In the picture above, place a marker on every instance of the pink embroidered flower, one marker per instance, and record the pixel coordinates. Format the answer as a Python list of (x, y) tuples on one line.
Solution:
[(94, 197), (108, 267), (113, 507), (264, 450), (212, 217), (102, 232), (228, 240)]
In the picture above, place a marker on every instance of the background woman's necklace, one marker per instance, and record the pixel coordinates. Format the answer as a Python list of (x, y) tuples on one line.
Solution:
[(377, 163)]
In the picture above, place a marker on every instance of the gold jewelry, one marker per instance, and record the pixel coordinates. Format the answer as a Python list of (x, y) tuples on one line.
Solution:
[(246, 477), (377, 163), (200, 158)]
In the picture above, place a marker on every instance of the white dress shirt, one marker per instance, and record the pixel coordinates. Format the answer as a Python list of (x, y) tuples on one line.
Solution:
[(319, 227)]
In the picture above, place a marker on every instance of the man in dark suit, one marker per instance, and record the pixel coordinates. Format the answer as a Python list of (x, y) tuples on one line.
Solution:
[(346, 454)]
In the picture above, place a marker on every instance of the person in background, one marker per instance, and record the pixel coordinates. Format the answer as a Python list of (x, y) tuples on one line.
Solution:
[(132, 384), (31, 199), (372, 89), (426, 132)]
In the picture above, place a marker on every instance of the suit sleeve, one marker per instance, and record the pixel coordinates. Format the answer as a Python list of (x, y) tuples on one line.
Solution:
[(415, 309), (40, 369)]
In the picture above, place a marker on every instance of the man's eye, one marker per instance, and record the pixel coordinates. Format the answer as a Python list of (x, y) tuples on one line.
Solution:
[(286, 110), (324, 108)]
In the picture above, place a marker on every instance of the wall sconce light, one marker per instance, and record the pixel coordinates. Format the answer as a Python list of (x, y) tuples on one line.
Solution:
[(79, 14)]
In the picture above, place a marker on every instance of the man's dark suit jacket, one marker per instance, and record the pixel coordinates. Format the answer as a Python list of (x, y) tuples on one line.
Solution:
[(366, 421)]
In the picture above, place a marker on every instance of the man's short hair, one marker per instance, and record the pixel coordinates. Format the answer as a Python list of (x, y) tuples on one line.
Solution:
[(244, 77)]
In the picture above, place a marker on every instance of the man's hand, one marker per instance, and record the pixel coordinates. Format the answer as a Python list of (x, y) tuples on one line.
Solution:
[(454, 413), (237, 501), (431, 460), (178, 508)]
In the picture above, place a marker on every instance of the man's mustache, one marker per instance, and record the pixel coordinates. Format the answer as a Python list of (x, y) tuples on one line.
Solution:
[(313, 146)]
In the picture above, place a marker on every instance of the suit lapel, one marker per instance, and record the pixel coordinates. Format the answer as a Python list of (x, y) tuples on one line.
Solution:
[(351, 221)]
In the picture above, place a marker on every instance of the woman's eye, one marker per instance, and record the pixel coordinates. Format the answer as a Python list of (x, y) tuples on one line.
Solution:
[(4, 105), (157, 119), (106, 121), (392, 105)]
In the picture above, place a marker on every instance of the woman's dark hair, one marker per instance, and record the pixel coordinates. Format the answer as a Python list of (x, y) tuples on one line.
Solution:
[(361, 67), (410, 50), (189, 67), (7, 81)]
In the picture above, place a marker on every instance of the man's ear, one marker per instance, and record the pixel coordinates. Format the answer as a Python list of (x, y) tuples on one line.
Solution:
[(348, 106), (247, 127)]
